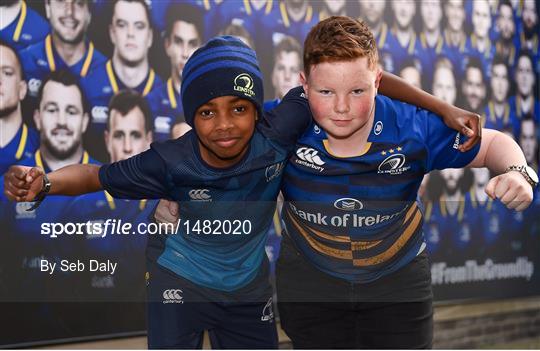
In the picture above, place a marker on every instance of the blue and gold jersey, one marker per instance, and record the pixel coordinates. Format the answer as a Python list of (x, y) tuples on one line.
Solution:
[(507, 120), (30, 246), (99, 87), (357, 218), (26, 29), (399, 52), (428, 56), (485, 56), (386, 44), (40, 59), (167, 110), (243, 196), (518, 107), (255, 21), (456, 53), (279, 21), (23, 145)]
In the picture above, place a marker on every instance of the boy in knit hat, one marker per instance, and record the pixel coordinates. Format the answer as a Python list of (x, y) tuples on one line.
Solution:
[(225, 174)]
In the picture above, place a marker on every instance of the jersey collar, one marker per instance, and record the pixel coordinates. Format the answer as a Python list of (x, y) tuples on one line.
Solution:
[(144, 88), (51, 60), (39, 160)]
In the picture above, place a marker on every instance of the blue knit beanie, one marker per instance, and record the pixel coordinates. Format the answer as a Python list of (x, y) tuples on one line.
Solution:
[(223, 66)]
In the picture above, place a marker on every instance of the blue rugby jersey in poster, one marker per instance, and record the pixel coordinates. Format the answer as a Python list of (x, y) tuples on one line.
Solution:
[(29, 246), (428, 56), (357, 218), (400, 53), (485, 57), (255, 21), (488, 215), (26, 29), (99, 87), (167, 110), (517, 106), (245, 192), (385, 46), (505, 121), (279, 21), (456, 54), (23, 145), (40, 59)]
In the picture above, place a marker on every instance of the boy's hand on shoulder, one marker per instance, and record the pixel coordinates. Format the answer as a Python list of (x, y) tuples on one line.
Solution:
[(22, 183), (465, 122), (167, 212), (512, 189)]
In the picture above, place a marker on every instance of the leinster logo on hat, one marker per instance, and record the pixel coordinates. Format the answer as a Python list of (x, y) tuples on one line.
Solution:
[(244, 83)]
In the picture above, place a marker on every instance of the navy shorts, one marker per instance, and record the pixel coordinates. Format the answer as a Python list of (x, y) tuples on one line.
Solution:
[(179, 312)]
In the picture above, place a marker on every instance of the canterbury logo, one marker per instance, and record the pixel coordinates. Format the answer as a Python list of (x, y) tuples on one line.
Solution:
[(199, 194), (99, 114), (309, 155), (172, 296), (34, 85), (244, 83)]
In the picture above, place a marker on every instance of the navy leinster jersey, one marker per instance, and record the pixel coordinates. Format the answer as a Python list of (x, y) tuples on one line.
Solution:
[(26, 29), (237, 202), (40, 59), (357, 218), (23, 145)]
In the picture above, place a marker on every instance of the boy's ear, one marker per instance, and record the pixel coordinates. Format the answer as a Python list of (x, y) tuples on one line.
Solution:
[(378, 78), (304, 82)]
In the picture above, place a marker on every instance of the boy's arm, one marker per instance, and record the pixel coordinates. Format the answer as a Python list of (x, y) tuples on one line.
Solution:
[(465, 122), (23, 183), (498, 152), (142, 176)]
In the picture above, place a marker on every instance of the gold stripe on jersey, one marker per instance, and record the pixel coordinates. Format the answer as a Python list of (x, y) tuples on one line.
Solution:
[(49, 53), (114, 83), (149, 83), (397, 245), (22, 142), (20, 23), (326, 250), (87, 60), (39, 160), (170, 93), (329, 150), (412, 225)]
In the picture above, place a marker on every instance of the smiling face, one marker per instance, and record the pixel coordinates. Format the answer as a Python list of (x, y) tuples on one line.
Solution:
[(61, 119), (130, 32), (474, 88), (224, 126), (342, 95), (69, 19)]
